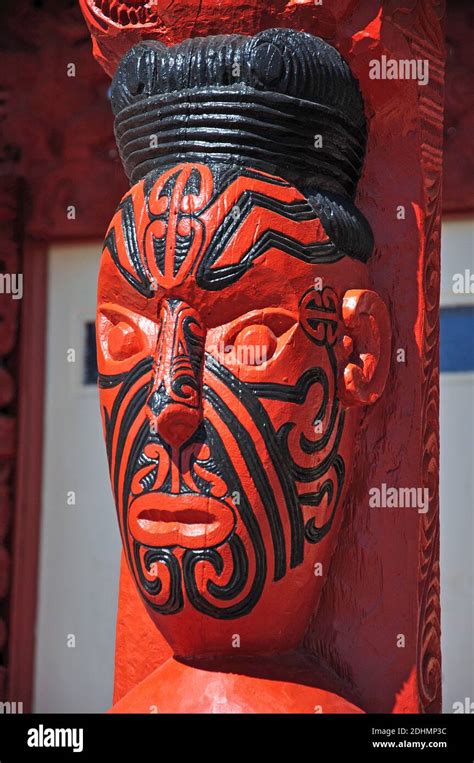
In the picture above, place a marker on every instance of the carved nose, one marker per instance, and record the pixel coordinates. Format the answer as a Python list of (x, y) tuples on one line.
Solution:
[(176, 424), (174, 406)]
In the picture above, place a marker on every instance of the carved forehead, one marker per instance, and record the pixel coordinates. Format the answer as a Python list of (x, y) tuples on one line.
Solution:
[(213, 225), (203, 233)]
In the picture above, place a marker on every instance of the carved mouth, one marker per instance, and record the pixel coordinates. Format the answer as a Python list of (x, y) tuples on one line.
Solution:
[(189, 521), (132, 13)]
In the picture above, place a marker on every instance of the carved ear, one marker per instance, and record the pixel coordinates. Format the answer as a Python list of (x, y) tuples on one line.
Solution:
[(366, 347)]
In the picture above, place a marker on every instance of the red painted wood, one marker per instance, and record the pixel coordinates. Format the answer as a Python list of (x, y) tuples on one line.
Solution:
[(384, 577), (458, 172), (130, 334), (54, 156), (26, 529), (282, 685), (67, 150), (133, 625), (10, 264)]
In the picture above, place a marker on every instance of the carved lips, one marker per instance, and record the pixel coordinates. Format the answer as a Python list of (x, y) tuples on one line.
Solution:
[(189, 521)]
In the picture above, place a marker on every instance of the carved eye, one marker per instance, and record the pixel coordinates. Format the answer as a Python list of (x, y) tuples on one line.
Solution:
[(123, 341), (122, 337), (254, 339), (255, 344)]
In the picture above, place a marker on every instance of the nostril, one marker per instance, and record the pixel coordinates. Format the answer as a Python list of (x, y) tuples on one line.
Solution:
[(154, 403), (176, 423)]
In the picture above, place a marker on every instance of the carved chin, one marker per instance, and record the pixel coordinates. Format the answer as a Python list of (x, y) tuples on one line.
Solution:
[(128, 13)]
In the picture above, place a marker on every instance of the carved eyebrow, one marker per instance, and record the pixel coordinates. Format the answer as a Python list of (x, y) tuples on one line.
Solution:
[(277, 318)]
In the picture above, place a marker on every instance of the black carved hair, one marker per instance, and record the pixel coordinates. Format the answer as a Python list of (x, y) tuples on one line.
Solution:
[(282, 101)]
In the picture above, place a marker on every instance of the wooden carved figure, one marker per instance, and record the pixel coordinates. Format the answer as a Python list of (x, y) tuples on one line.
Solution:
[(239, 342)]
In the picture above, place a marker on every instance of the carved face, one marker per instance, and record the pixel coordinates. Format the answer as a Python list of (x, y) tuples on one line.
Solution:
[(227, 376)]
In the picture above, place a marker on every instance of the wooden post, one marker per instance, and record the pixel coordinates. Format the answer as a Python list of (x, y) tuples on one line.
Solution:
[(377, 623)]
